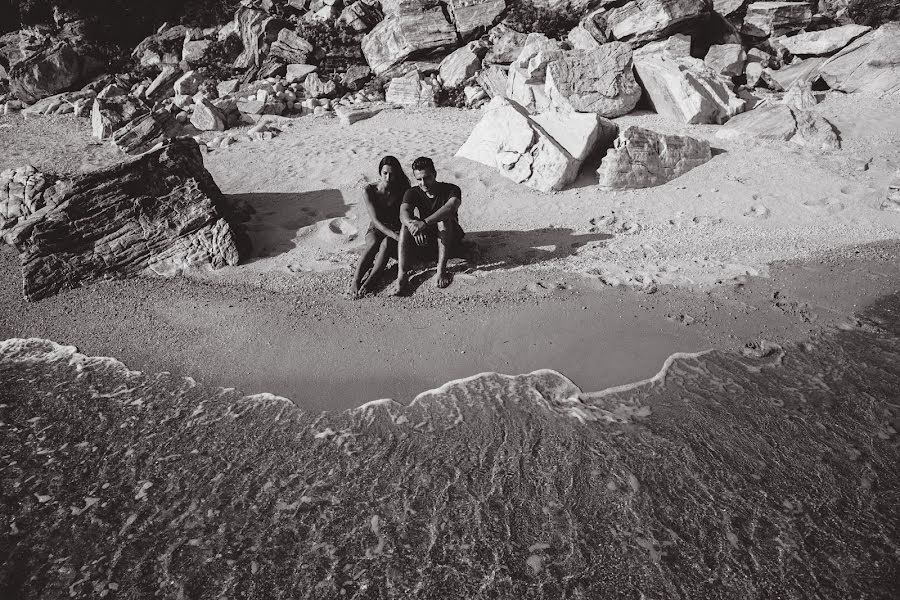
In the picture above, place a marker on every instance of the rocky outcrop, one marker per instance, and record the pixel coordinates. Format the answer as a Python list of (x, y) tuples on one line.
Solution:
[(507, 139), (356, 77), (726, 59), (599, 81), (252, 26), (161, 211), (152, 49), (146, 131), (641, 21), (206, 117), (187, 84), (315, 87), (819, 43), (361, 15), (412, 30), (505, 45), (780, 122), (766, 19), (461, 64), (109, 114), (727, 7), (493, 81), (77, 103), (164, 85), (299, 72), (23, 192), (686, 90), (474, 17), (800, 97), (55, 69), (290, 47), (871, 64), (527, 76), (410, 90), (579, 133), (642, 158), (674, 46)]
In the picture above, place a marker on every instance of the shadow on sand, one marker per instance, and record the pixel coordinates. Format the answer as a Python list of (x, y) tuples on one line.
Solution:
[(495, 250), (270, 221), (510, 249)]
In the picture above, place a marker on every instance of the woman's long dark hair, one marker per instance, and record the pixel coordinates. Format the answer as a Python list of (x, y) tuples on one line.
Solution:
[(402, 180)]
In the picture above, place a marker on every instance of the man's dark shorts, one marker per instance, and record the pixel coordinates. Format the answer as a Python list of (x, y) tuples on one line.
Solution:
[(455, 241)]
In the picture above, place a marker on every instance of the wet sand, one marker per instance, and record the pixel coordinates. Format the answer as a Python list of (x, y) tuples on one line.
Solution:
[(301, 339)]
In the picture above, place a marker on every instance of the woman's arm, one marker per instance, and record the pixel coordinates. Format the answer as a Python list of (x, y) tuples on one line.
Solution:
[(369, 200)]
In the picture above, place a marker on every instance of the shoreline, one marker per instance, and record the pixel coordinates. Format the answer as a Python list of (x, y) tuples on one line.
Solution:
[(324, 352)]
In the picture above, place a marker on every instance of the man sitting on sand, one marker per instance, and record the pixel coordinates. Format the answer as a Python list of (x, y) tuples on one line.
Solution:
[(429, 215)]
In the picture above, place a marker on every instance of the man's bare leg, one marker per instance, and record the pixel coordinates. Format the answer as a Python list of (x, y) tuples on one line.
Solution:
[(445, 240), (403, 247)]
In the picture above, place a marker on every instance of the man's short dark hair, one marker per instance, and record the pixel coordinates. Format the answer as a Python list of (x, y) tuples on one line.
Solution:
[(423, 163)]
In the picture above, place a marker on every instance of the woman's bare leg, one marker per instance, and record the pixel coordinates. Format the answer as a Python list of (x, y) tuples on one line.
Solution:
[(365, 264), (378, 265)]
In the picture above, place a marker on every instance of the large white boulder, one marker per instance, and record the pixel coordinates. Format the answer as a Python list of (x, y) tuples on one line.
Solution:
[(474, 17), (505, 45), (827, 41), (599, 81), (642, 158), (411, 28), (410, 90), (779, 122), (579, 133), (686, 90), (508, 139), (765, 19), (460, 65), (726, 59), (871, 64), (640, 21)]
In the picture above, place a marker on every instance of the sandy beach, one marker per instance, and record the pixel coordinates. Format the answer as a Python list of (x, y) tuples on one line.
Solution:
[(767, 241)]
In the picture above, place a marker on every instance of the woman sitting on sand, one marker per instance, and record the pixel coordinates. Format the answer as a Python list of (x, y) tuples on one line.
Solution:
[(382, 200)]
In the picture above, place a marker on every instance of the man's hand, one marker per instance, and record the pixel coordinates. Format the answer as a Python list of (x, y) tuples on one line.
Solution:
[(415, 226)]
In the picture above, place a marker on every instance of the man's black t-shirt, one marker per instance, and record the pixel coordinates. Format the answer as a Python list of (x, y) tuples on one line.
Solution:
[(425, 205)]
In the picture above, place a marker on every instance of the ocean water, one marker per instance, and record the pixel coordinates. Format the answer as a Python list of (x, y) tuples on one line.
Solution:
[(771, 473)]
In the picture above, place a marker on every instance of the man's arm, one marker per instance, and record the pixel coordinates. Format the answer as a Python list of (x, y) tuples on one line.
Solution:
[(447, 210), (406, 209), (369, 199)]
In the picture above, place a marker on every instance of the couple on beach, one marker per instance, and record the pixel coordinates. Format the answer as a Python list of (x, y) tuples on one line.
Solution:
[(405, 220)]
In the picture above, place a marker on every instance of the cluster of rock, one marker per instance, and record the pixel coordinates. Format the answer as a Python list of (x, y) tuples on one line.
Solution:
[(767, 58), (116, 222), (692, 61)]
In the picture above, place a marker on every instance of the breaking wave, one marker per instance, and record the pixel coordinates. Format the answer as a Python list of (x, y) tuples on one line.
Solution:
[(725, 475)]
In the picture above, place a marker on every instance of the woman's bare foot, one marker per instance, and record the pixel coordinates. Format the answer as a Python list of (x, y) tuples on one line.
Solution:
[(400, 285), (443, 279)]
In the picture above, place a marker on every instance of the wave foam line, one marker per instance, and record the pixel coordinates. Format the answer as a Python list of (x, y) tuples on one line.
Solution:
[(660, 376)]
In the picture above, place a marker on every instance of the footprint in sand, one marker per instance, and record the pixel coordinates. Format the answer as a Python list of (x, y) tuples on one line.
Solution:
[(828, 205), (704, 220), (757, 211), (340, 227)]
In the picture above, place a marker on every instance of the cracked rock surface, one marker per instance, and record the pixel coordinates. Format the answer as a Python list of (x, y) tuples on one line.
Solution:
[(161, 211)]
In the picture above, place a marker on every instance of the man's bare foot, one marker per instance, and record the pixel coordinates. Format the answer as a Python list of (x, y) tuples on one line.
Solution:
[(354, 292), (443, 279), (400, 285)]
